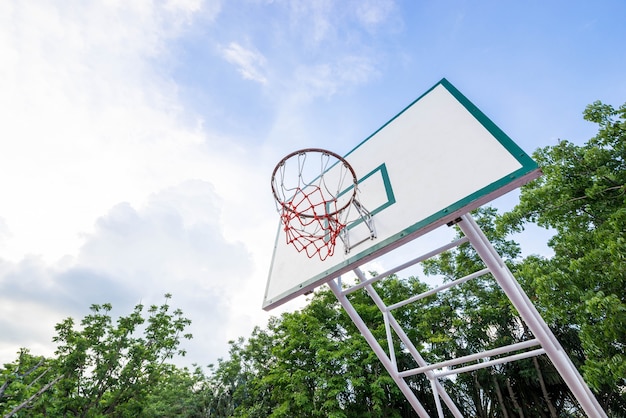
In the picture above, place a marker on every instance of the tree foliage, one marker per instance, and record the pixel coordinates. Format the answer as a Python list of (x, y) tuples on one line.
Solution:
[(24, 381), (312, 363), (102, 367), (582, 198)]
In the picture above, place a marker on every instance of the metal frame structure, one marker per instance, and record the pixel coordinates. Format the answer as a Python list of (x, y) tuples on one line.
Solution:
[(544, 341)]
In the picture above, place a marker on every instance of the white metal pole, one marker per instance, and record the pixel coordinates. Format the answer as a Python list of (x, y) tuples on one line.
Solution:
[(380, 353), (392, 350), (472, 357), (433, 385), (531, 317)]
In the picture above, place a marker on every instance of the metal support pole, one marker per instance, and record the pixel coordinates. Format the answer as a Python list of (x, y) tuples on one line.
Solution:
[(527, 311), (531, 317)]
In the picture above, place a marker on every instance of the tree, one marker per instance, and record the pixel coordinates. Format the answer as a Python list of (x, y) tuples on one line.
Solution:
[(315, 363), (102, 368), (24, 380), (236, 386), (179, 393), (582, 198)]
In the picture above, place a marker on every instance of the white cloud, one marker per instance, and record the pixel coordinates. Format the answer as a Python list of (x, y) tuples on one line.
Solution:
[(34, 296), (175, 238), (325, 80), (88, 119), (373, 12), (174, 244), (112, 191), (326, 21), (248, 61)]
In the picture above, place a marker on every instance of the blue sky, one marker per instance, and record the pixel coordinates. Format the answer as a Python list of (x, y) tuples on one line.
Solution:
[(137, 138), (536, 58)]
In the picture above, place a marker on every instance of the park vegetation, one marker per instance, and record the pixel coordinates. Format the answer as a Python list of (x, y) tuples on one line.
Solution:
[(314, 363)]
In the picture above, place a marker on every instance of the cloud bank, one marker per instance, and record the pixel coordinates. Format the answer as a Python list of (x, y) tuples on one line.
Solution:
[(113, 191)]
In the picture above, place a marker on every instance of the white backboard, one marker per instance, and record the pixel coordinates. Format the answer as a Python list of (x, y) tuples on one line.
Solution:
[(438, 158)]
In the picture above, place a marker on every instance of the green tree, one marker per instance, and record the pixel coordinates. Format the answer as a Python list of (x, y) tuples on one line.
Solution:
[(235, 385), (102, 367), (582, 198), (315, 363), (24, 381), (179, 393)]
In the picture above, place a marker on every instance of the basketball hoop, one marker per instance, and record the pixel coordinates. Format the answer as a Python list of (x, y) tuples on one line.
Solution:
[(313, 188)]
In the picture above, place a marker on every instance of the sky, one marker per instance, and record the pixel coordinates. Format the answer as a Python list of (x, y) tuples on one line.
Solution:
[(137, 138)]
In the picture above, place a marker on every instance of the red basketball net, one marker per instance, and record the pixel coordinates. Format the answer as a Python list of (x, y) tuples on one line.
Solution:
[(312, 213), (316, 234)]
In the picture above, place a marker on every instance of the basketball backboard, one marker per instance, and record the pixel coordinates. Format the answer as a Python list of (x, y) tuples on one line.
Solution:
[(438, 158)]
